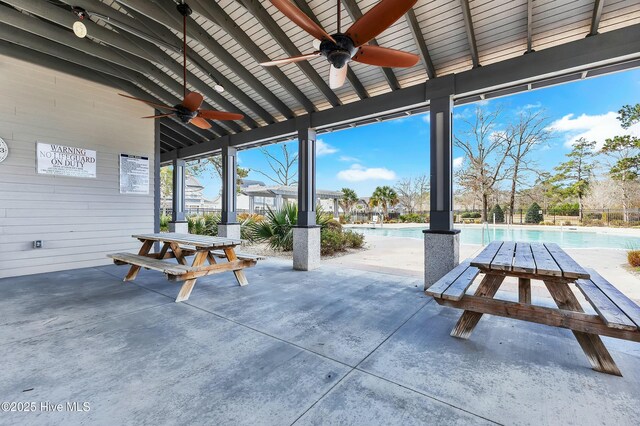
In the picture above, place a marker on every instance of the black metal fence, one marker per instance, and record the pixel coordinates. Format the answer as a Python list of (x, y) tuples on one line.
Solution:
[(591, 217)]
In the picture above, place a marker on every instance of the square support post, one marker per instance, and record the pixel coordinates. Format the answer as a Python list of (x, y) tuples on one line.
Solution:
[(156, 180), (441, 241), (178, 220), (306, 235), (229, 226)]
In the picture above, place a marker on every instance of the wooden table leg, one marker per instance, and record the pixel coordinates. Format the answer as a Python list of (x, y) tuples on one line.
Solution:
[(144, 250), (177, 251), (163, 251), (591, 344), (187, 287), (524, 290), (239, 273), (469, 319)]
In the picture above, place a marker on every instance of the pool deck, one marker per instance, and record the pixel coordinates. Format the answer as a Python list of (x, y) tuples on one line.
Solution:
[(331, 346), (405, 256)]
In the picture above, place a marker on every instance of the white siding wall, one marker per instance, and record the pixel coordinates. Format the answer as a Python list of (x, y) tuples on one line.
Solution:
[(78, 220)]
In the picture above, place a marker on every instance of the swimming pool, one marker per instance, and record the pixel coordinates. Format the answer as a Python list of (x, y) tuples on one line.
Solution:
[(566, 238)]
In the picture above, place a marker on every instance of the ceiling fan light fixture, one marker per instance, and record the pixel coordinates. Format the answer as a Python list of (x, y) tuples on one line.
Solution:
[(79, 29), (218, 88)]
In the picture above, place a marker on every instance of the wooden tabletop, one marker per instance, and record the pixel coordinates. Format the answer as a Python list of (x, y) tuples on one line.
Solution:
[(546, 259), (200, 241)]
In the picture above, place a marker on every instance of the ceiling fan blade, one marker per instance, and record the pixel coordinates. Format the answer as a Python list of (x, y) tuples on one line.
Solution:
[(200, 122), (378, 19), (159, 116), (149, 102), (290, 60), (383, 57), (337, 76), (298, 17), (192, 101), (219, 115)]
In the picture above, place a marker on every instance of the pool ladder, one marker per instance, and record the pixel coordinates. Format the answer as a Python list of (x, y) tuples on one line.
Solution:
[(485, 231)]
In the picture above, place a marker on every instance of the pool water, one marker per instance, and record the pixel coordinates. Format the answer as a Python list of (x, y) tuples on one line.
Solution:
[(566, 238)]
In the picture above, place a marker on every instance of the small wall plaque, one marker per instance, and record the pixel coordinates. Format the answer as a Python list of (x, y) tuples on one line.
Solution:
[(4, 150)]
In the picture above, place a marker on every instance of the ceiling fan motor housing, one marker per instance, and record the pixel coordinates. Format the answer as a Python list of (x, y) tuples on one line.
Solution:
[(184, 114), (340, 52)]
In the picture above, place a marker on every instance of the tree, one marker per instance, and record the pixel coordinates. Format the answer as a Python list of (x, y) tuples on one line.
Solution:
[(486, 154), (412, 193), (385, 197), (523, 136), (574, 175), (629, 115), (200, 167), (166, 186), (348, 200), (284, 169), (533, 214), (497, 213), (624, 151)]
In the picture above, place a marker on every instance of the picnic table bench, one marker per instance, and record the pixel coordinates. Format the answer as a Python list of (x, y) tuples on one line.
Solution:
[(616, 315), (179, 246)]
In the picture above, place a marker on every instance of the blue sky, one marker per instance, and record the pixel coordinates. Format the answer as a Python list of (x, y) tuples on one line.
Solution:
[(380, 154)]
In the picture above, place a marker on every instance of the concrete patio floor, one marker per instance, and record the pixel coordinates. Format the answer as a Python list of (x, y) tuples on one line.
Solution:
[(331, 346)]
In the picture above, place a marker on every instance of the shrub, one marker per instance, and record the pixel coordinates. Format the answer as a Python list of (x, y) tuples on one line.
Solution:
[(247, 223), (164, 223), (353, 239), (567, 223), (533, 214), (565, 209), (331, 241), (211, 221), (253, 216), (633, 257), (412, 218), (277, 227), (196, 224), (498, 212), (334, 225)]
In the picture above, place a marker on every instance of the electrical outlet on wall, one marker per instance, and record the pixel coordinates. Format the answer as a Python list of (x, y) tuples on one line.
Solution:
[(37, 244)]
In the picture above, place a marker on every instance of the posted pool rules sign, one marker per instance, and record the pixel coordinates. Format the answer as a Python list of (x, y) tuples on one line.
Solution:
[(134, 174), (62, 160)]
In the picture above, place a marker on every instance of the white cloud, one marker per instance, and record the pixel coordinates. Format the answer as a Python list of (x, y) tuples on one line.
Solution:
[(427, 118), (348, 159), (323, 148), (359, 173), (457, 162), (591, 127)]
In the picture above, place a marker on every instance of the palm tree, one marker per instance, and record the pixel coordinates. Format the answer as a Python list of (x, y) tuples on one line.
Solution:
[(348, 200), (385, 197)]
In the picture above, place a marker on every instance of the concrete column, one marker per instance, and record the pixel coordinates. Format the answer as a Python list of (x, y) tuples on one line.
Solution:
[(441, 241), (252, 204), (229, 226), (278, 201), (178, 220), (306, 235), (336, 209)]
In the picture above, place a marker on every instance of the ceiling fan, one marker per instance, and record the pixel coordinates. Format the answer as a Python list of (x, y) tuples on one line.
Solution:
[(188, 111), (340, 48)]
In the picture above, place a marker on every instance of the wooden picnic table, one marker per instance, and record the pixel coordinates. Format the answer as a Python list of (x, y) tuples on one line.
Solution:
[(616, 315), (179, 246)]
